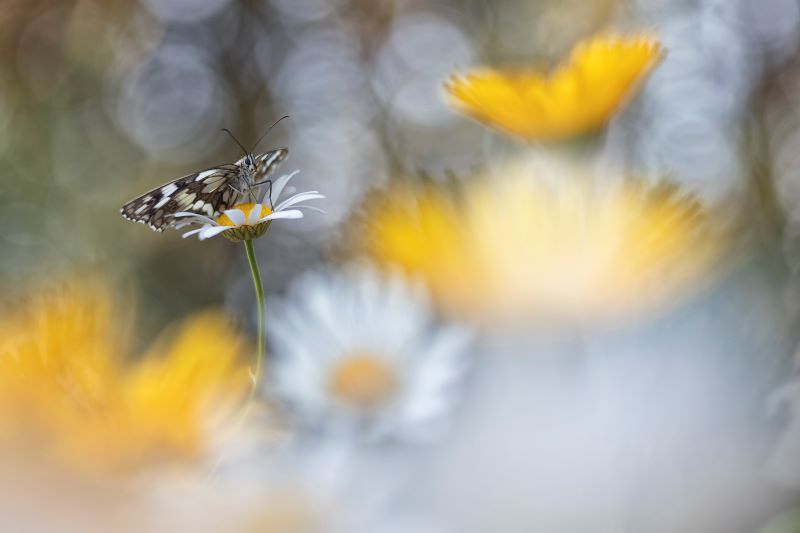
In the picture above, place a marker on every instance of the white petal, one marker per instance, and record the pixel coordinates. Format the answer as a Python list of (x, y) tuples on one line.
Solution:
[(302, 197), (194, 218), (291, 213), (193, 232), (209, 232), (399, 326), (254, 215), (236, 216), (280, 183)]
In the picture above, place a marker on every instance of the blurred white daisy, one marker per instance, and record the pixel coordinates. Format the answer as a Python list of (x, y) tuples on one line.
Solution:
[(358, 351), (251, 220)]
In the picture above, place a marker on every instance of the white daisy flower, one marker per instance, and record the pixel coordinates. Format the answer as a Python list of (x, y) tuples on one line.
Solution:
[(251, 220), (355, 350)]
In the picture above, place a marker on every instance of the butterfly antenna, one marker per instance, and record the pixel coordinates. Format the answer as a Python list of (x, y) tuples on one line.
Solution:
[(268, 130), (226, 130)]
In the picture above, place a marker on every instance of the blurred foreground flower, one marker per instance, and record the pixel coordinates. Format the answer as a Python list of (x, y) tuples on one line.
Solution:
[(250, 220), (376, 360), (67, 395), (521, 247), (601, 74)]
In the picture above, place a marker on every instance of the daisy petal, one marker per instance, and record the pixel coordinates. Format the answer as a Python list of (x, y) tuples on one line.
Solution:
[(208, 232), (254, 215), (194, 218), (291, 213), (280, 183), (302, 197), (180, 214), (350, 309), (193, 232), (236, 216)]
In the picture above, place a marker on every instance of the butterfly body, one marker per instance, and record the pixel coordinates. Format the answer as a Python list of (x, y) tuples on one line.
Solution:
[(207, 192)]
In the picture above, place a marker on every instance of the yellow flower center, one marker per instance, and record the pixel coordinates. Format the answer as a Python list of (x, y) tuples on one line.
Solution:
[(363, 381), (224, 220)]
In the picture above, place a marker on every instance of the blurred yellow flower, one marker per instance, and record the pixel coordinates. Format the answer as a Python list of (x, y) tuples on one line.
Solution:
[(566, 250), (67, 394), (580, 95)]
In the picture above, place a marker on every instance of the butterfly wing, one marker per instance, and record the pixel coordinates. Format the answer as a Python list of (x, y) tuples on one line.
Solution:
[(267, 162), (206, 193)]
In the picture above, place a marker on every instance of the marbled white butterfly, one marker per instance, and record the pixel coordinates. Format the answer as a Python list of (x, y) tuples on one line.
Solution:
[(208, 192)]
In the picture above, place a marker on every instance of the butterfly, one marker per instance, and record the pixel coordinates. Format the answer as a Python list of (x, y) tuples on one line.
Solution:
[(208, 192)]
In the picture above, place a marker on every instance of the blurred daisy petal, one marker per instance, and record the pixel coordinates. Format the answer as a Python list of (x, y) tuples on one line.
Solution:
[(378, 365), (523, 247)]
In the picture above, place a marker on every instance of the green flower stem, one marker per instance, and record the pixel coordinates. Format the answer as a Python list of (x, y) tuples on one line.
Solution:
[(251, 258), (256, 374)]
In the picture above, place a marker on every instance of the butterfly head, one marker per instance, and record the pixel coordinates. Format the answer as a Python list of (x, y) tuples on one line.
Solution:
[(248, 163)]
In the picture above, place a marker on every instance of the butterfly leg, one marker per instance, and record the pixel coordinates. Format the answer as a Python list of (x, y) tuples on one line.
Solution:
[(269, 190), (243, 193)]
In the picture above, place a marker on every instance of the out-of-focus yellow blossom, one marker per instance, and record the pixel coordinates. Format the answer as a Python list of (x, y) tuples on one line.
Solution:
[(566, 250), (68, 395), (580, 95)]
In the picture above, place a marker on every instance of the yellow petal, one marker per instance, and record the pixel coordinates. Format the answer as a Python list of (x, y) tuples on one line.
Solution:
[(68, 398), (579, 96), (521, 249), (186, 385)]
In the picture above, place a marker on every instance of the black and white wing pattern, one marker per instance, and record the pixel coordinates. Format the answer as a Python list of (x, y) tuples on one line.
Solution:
[(267, 162), (207, 193)]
